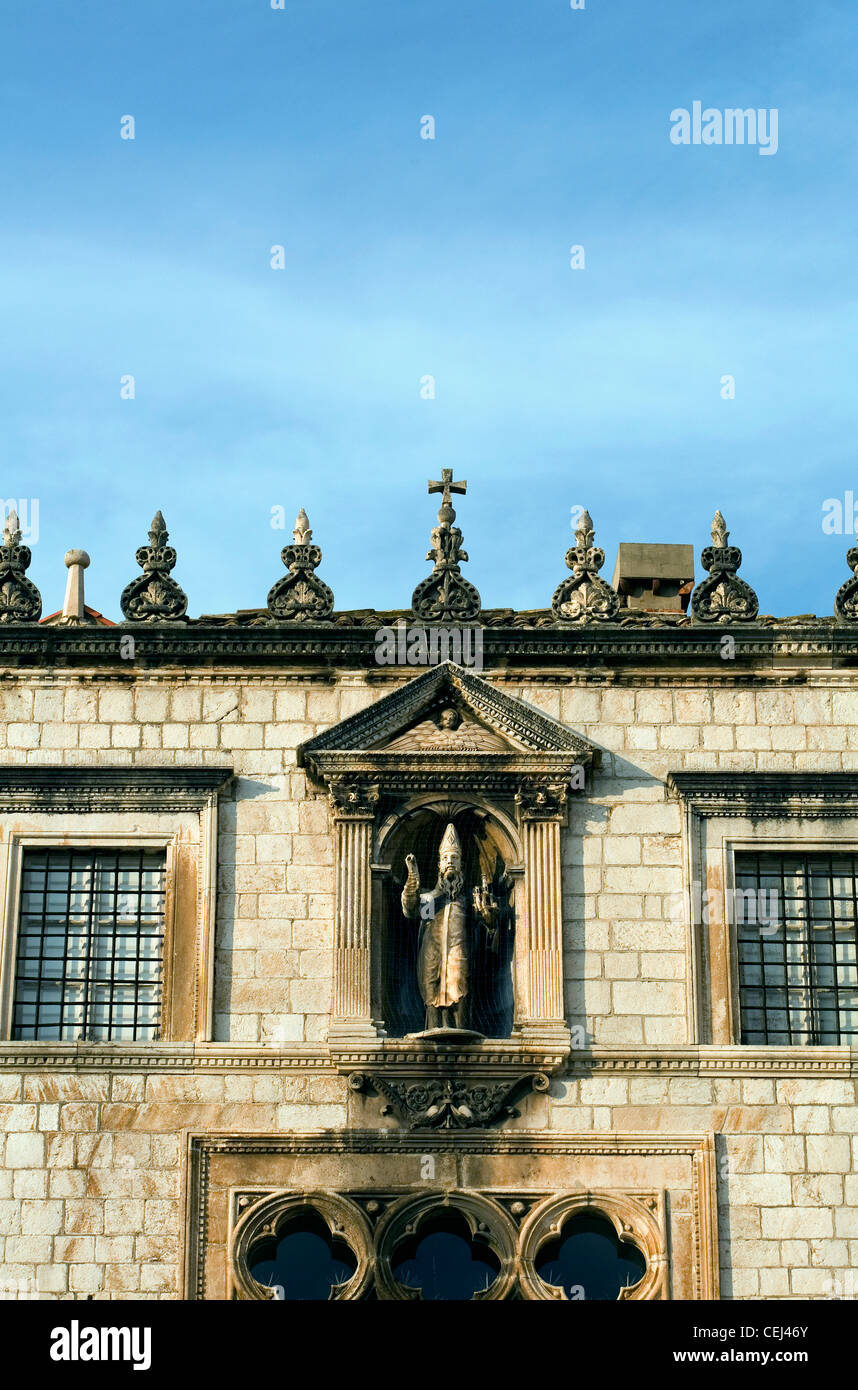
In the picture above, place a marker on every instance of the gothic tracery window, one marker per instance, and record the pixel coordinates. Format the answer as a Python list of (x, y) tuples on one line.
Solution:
[(459, 1246), (303, 1260), (588, 1261)]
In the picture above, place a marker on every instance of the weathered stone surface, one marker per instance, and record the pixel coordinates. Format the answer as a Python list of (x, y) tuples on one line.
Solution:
[(94, 1158)]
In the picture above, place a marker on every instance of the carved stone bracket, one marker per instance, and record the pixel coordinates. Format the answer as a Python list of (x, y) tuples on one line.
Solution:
[(846, 598), (154, 597), (444, 1102), (300, 596), (20, 600), (585, 598), (723, 597), (446, 597)]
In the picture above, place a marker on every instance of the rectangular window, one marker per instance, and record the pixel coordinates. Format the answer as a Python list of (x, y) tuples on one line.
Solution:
[(90, 945), (797, 937)]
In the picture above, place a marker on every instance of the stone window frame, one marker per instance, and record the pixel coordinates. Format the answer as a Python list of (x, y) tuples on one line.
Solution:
[(38, 807), (726, 814), (233, 1179)]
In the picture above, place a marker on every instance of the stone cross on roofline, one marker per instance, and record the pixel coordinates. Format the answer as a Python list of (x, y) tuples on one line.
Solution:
[(445, 597), (446, 514)]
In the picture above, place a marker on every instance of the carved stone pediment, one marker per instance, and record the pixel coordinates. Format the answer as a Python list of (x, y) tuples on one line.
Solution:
[(448, 726)]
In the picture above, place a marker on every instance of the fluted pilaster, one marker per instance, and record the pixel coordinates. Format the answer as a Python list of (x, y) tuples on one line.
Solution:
[(541, 1012), (352, 991)]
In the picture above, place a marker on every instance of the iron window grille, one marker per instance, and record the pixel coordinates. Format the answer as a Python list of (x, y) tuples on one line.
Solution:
[(90, 948), (797, 939)]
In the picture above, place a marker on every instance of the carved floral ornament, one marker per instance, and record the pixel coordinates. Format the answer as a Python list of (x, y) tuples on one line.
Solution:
[(585, 598), (154, 596), (846, 599), (723, 597), (446, 596), (511, 1229), (583, 601), (301, 596), (445, 1102), (20, 600)]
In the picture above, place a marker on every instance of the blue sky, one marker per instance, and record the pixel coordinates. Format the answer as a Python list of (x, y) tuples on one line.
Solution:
[(257, 388)]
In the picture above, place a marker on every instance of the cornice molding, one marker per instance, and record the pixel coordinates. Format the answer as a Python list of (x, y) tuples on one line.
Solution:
[(407, 1059), (780, 794), (65, 789), (509, 639)]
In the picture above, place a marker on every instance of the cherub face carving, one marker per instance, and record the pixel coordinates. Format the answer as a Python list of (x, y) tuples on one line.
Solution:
[(449, 719)]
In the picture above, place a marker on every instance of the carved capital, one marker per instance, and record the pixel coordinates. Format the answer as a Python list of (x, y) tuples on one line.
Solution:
[(541, 799), (353, 797)]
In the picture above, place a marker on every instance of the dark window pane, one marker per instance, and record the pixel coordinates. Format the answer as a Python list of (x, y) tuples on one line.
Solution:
[(444, 1262), (87, 967), (796, 983), (588, 1260), (304, 1262)]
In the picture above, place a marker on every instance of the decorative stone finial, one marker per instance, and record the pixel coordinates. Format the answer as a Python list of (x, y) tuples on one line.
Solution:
[(846, 598), (301, 596), (20, 600), (723, 598), (585, 598), (153, 597), (302, 535), (445, 596), (719, 533), (74, 611), (12, 529)]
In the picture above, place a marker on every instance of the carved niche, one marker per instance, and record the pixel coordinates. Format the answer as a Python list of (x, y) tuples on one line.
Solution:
[(449, 749)]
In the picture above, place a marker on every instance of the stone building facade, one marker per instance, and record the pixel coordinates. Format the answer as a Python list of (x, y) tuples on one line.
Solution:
[(663, 1042)]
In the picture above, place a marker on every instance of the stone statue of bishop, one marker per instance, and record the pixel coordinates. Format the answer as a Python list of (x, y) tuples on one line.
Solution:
[(443, 961)]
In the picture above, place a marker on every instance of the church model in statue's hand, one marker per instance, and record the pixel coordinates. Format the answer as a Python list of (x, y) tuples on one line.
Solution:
[(444, 957)]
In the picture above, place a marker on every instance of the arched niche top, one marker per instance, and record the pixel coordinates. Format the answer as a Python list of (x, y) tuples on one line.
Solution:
[(500, 829)]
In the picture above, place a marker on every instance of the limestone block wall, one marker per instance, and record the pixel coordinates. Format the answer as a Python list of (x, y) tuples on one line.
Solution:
[(92, 1183)]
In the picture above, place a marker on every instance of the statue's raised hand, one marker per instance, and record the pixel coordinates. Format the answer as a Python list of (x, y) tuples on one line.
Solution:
[(411, 891), (485, 904)]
